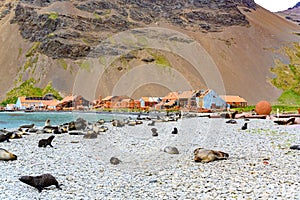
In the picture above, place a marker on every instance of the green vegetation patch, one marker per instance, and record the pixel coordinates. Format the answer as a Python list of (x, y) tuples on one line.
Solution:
[(288, 75), (53, 15), (33, 49), (28, 89), (160, 59)]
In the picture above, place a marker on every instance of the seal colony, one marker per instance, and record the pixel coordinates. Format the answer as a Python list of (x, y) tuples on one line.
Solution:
[(135, 143)]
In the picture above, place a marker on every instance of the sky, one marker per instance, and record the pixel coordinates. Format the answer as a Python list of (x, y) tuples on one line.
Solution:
[(276, 5)]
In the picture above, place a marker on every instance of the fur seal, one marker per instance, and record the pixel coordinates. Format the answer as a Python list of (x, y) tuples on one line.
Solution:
[(231, 121), (175, 131), (5, 137), (295, 147), (117, 123), (205, 155), (154, 132), (47, 122), (46, 142), (114, 161), (171, 150), (234, 114), (244, 127), (40, 182), (131, 123), (90, 135), (285, 122), (74, 132), (27, 126), (6, 155), (152, 123), (52, 129)]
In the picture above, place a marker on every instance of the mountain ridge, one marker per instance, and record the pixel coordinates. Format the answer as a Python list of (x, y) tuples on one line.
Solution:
[(55, 45)]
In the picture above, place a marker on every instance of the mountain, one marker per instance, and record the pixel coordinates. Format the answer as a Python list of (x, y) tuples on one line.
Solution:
[(292, 14), (142, 47)]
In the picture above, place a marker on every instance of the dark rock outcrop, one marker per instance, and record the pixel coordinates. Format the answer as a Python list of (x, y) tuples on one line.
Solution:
[(63, 35)]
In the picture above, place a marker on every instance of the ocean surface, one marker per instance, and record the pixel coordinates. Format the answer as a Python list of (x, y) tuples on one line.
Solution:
[(11, 120)]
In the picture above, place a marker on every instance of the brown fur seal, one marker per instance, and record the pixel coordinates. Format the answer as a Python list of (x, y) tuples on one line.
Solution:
[(47, 122), (244, 127), (27, 126), (5, 137), (205, 155), (231, 121), (114, 161), (287, 122), (175, 131), (90, 135), (295, 147), (40, 182), (46, 142), (152, 123), (154, 132), (6, 155)]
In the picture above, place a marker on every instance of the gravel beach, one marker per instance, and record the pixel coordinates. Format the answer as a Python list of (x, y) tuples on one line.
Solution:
[(260, 164)]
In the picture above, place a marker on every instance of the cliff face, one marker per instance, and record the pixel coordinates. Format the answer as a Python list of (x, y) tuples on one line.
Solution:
[(60, 32), (51, 40)]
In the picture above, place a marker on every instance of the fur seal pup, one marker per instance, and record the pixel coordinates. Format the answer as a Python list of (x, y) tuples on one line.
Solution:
[(40, 182), (152, 123), (205, 155), (154, 132), (171, 150), (46, 142), (244, 127), (27, 126), (175, 131), (6, 155), (47, 122), (114, 161), (6, 137), (295, 147)]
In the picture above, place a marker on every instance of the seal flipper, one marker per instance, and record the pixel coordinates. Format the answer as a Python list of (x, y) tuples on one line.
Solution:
[(39, 188)]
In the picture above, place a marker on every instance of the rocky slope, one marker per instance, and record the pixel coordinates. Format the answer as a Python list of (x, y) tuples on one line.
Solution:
[(292, 14), (58, 41)]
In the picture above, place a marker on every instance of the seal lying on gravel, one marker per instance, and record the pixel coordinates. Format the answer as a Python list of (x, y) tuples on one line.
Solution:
[(285, 122), (295, 147), (40, 182), (6, 155), (205, 155), (5, 137), (114, 161), (46, 142), (28, 126), (231, 121)]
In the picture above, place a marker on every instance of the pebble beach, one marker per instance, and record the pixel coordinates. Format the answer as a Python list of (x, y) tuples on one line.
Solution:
[(260, 163)]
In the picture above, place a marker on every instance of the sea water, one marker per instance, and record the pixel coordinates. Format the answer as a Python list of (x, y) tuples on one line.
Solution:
[(11, 120)]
